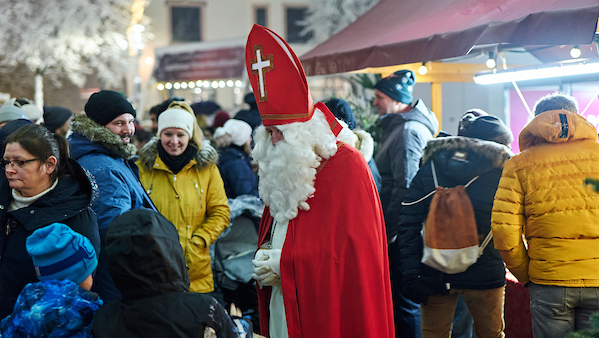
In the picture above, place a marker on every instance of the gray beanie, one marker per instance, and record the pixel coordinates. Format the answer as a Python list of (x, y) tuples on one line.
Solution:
[(9, 112)]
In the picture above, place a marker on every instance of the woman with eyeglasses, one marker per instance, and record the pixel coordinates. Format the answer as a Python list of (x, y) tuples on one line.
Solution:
[(39, 185)]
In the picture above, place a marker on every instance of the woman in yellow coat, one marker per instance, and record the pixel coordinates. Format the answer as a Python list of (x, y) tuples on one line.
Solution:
[(179, 172)]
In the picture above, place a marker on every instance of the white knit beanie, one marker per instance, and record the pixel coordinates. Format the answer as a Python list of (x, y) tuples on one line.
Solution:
[(176, 118), (240, 131)]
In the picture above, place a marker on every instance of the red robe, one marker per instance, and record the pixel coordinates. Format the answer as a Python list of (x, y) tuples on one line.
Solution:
[(334, 265)]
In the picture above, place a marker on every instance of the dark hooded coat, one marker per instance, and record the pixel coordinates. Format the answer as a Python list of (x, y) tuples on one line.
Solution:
[(69, 203), (147, 265)]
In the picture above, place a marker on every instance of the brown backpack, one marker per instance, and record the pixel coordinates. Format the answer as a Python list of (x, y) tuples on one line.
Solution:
[(451, 241)]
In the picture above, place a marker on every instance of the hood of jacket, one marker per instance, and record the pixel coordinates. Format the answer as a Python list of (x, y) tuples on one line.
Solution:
[(556, 126), (74, 192), (419, 113), (205, 157), (365, 144), (35, 313), (90, 137), (133, 237), (479, 156)]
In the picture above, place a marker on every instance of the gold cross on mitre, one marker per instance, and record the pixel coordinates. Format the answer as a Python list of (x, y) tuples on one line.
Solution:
[(260, 67)]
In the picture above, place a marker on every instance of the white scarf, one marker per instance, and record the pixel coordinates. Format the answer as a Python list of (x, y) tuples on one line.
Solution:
[(19, 201)]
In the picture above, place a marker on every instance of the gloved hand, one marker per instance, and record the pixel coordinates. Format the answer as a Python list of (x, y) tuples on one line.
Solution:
[(270, 258), (267, 270), (417, 289)]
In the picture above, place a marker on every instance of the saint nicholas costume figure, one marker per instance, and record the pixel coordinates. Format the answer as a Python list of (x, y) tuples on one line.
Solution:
[(322, 266)]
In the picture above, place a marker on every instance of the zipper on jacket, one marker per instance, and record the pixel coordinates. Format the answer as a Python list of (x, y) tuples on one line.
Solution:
[(10, 224)]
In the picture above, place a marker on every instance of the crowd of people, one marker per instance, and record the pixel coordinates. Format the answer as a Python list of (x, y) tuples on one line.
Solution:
[(106, 234)]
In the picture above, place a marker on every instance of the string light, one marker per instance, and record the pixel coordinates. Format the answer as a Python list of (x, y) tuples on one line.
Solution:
[(423, 70), (491, 63), (575, 52)]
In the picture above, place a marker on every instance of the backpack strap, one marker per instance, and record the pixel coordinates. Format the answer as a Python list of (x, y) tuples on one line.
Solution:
[(436, 182), (484, 244), (434, 173), (470, 182)]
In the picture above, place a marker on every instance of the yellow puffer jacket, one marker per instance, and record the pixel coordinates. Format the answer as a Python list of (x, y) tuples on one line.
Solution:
[(194, 200), (542, 196)]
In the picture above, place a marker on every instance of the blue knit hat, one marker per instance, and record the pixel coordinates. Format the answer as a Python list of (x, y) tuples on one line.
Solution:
[(58, 252), (342, 111), (398, 86)]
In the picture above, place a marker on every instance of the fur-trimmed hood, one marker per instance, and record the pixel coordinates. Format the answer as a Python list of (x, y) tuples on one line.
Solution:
[(365, 144), (205, 157), (359, 139), (105, 141), (496, 153)]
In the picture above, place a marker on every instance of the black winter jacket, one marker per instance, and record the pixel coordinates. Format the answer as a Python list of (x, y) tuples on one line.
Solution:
[(484, 158), (147, 265), (68, 203)]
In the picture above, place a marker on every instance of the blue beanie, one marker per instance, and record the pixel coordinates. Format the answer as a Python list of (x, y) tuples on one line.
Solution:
[(398, 86), (58, 252), (342, 111), (12, 126)]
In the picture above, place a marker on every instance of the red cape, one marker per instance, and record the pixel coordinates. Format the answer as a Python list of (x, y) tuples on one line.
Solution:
[(334, 265)]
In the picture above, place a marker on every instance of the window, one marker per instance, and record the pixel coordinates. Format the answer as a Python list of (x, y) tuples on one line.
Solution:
[(261, 16), (294, 16), (186, 23)]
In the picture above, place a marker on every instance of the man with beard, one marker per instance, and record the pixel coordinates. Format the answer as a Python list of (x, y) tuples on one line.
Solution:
[(322, 264), (101, 143)]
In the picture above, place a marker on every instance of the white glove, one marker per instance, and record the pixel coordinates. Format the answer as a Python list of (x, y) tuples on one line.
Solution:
[(270, 258), (267, 270)]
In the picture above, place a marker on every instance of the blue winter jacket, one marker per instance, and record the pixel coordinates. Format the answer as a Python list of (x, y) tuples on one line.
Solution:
[(238, 177), (52, 309), (111, 162), (116, 175)]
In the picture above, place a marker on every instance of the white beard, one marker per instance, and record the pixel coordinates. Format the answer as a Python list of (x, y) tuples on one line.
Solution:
[(287, 170)]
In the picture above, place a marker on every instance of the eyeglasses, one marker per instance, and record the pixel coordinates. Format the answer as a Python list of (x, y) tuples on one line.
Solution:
[(17, 163)]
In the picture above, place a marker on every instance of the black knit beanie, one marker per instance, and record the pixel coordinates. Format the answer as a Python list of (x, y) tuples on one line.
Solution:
[(398, 86), (106, 105), (55, 117), (489, 128)]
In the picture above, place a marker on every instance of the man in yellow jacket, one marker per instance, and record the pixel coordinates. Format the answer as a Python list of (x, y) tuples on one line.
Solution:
[(545, 220)]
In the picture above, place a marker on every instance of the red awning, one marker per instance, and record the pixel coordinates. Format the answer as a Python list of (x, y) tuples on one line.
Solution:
[(396, 32)]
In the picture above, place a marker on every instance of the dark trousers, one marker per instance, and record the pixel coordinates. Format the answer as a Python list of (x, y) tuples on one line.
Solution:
[(406, 313)]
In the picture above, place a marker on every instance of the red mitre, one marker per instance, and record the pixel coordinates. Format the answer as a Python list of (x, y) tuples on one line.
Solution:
[(277, 78)]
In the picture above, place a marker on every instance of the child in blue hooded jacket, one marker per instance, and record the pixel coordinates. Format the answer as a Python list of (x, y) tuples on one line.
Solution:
[(60, 305)]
